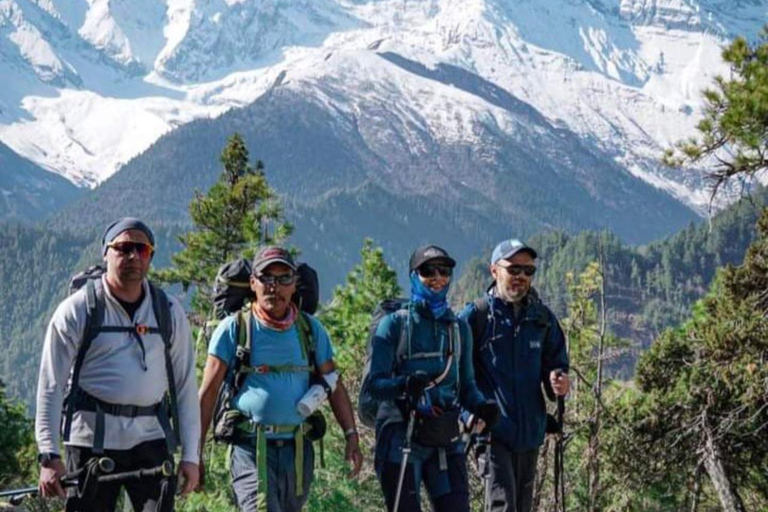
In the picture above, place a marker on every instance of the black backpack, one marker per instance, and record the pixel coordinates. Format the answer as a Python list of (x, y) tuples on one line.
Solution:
[(367, 405), (232, 288), (75, 396)]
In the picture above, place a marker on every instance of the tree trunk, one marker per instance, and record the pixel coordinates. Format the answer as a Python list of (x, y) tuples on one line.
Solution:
[(713, 463), (696, 489), (593, 450)]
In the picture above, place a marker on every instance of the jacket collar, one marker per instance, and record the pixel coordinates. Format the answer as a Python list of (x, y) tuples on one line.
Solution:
[(530, 303)]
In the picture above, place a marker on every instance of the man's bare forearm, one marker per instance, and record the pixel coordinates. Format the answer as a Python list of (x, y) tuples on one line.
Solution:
[(342, 407)]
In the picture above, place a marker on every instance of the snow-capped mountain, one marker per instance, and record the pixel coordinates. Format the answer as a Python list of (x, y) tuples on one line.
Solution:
[(88, 85)]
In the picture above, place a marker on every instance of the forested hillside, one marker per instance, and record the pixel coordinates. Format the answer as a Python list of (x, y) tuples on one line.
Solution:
[(35, 266), (649, 287)]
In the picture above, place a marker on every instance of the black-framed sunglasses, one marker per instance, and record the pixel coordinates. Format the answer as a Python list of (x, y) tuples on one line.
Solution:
[(517, 270), (282, 280), (427, 271), (126, 248)]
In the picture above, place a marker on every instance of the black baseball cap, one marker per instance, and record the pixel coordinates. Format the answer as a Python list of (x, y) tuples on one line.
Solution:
[(427, 253), (269, 255)]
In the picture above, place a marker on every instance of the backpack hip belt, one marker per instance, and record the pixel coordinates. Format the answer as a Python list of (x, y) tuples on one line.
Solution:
[(84, 401)]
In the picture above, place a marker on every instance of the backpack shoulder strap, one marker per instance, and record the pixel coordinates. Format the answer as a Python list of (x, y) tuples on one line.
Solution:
[(403, 341), (243, 335), (307, 341), (161, 307), (94, 300), (480, 320)]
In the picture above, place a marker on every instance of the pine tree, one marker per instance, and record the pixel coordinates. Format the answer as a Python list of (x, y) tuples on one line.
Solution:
[(734, 129), (347, 319), (233, 219)]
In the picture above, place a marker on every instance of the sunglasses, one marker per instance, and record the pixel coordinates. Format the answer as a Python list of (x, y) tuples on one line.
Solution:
[(282, 280), (126, 248), (432, 270), (517, 270)]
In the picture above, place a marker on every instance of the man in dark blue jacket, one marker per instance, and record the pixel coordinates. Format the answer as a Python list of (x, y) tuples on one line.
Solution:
[(519, 347)]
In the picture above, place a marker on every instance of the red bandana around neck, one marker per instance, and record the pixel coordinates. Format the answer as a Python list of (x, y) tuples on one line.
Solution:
[(278, 325)]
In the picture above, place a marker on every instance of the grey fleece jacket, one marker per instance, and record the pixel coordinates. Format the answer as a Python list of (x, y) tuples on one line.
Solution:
[(115, 371)]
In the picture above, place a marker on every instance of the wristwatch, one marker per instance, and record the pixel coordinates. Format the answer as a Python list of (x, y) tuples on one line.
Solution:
[(45, 459)]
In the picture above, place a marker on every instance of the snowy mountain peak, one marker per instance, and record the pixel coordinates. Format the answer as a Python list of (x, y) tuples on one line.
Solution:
[(89, 84)]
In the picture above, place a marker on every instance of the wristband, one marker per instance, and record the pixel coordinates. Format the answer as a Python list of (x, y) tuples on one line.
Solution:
[(350, 432)]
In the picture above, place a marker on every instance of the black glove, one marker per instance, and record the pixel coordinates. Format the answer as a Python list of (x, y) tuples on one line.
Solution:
[(415, 384), (489, 412)]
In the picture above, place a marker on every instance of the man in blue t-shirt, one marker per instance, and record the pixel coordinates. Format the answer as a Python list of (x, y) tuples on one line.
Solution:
[(280, 376)]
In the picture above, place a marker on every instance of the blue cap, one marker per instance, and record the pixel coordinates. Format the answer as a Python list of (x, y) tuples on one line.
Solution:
[(121, 225), (509, 248)]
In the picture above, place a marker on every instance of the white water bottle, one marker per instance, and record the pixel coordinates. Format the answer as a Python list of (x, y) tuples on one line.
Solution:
[(316, 395)]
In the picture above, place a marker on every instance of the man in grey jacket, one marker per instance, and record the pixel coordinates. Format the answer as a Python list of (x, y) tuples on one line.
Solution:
[(120, 405)]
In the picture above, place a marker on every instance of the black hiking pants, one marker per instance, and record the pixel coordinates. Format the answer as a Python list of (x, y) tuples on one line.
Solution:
[(152, 494), (512, 478)]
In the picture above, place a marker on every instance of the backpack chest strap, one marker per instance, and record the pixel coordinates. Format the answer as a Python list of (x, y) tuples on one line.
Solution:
[(264, 369)]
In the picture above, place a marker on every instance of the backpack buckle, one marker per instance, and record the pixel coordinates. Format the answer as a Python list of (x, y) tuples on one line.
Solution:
[(261, 369), (142, 329)]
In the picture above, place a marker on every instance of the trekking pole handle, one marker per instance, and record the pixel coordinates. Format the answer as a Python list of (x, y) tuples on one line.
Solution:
[(16, 496)]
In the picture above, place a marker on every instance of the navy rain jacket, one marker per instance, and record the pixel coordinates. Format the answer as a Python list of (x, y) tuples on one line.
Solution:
[(512, 361)]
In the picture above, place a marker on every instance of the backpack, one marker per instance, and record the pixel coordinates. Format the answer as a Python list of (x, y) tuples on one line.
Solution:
[(232, 292), (367, 405), (77, 399)]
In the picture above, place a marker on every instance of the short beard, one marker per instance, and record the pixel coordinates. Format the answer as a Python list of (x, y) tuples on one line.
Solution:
[(509, 296)]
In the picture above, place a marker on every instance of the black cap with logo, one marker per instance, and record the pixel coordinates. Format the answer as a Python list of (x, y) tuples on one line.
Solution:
[(427, 253)]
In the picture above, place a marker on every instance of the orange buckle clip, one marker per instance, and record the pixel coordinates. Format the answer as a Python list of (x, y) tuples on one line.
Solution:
[(142, 329), (261, 369)]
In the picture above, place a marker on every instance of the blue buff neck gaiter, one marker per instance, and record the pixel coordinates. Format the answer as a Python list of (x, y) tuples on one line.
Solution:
[(436, 301)]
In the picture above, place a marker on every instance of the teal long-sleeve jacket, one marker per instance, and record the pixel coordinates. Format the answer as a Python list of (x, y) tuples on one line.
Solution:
[(430, 336)]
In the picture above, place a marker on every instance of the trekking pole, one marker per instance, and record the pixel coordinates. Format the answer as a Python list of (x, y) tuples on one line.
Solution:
[(16, 496), (560, 457), (105, 465), (484, 441), (165, 469), (406, 453)]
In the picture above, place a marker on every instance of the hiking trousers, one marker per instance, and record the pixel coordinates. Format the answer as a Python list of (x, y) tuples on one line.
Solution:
[(150, 494), (512, 478), (447, 487), (282, 494)]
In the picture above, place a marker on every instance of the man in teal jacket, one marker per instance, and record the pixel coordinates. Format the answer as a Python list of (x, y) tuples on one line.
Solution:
[(519, 347)]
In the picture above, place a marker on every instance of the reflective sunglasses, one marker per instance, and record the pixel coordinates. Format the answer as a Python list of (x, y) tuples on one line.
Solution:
[(126, 248), (282, 280), (516, 270), (427, 271)]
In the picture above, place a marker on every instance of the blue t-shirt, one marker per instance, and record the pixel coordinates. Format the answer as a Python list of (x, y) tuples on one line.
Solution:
[(271, 398)]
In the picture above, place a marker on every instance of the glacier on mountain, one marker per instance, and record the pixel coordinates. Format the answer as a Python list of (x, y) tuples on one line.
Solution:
[(90, 84)]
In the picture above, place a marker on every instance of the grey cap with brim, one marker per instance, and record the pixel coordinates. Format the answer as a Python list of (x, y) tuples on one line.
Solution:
[(509, 248)]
